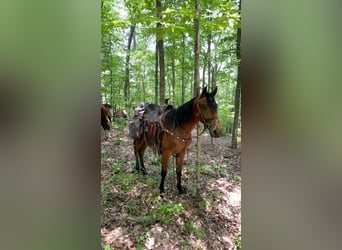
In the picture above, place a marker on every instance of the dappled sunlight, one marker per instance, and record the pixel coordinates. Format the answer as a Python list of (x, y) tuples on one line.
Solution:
[(197, 243), (117, 238), (230, 197), (135, 215)]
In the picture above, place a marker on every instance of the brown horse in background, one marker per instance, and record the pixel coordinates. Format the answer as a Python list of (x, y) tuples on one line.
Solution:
[(110, 111), (104, 115), (176, 125)]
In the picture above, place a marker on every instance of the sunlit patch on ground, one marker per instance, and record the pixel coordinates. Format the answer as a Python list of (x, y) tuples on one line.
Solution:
[(132, 207)]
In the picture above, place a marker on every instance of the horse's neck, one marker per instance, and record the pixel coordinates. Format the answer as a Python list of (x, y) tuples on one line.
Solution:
[(187, 127)]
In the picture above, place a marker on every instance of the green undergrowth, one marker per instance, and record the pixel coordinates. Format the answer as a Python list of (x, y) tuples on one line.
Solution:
[(238, 240), (191, 228), (105, 198), (141, 239), (126, 181), (163, 213), (214, 169)]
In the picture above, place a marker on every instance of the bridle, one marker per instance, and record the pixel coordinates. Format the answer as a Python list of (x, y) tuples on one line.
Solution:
[(204, 119)]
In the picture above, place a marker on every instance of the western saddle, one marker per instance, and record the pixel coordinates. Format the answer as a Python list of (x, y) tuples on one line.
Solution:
[(146, 123)]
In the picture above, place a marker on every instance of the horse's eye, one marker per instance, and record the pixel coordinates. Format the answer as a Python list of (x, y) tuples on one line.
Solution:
[(203, 107)]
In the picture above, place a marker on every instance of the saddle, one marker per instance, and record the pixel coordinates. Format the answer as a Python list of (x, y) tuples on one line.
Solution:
[(152, 113), (146, 123)]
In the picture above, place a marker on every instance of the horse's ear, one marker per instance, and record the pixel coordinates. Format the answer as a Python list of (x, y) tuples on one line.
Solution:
[(204, 91), (213, 93)]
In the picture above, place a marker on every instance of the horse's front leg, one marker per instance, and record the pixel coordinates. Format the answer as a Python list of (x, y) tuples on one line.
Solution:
[(179, 164), (165, 158)]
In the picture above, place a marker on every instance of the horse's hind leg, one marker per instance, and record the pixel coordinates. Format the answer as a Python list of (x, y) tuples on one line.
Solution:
[(165, 158), (141, 156), (137, 146)]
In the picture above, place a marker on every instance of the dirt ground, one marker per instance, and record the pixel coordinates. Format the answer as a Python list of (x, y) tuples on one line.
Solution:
[(135, 216)]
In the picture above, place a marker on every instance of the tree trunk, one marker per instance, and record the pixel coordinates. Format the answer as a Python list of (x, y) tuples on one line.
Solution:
[(156, 71), (237, 90), (143, 85), (161, 72), (209, 60), (196, 93), (183, 70), (126, 86), (160, 44), (210, 86), (203, 72), (173, 69)]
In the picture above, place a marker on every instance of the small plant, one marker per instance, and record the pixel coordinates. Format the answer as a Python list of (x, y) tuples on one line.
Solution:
[(141, 239), (237, 178), (191, 169), (104, 156), (205, 204), (146, 220), (191, 188), (132, 207), (204, 170), (191, 228), (154, 159), (238, 240), (151, 181), (165, 211), (116, 167), (185, 244), (105, 190), (215, 195), (126, 181), (107, 247)]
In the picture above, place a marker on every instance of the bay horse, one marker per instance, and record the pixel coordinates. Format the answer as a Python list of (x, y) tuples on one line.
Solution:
[(104, 115), (176, 125), (109, 111)]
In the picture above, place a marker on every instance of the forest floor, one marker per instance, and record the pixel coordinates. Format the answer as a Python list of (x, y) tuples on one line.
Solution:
[(135, 216)]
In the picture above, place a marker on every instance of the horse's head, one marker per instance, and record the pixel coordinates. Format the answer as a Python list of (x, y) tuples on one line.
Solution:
[(207, 110)]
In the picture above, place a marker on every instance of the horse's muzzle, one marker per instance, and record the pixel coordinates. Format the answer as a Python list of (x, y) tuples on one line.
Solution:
[(215, 132), (215, 129)]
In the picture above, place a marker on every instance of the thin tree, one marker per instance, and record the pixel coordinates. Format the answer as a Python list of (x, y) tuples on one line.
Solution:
[(209, 59), (126, 86), (183, 70), (160, 45), (238, 89), (156, 71), (173, 69), (196, 92)]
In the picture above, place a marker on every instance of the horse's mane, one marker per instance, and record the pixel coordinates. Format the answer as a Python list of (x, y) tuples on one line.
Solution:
[(181, 115)]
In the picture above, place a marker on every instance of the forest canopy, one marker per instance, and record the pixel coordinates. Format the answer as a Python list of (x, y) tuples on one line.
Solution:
[(131, 62)]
